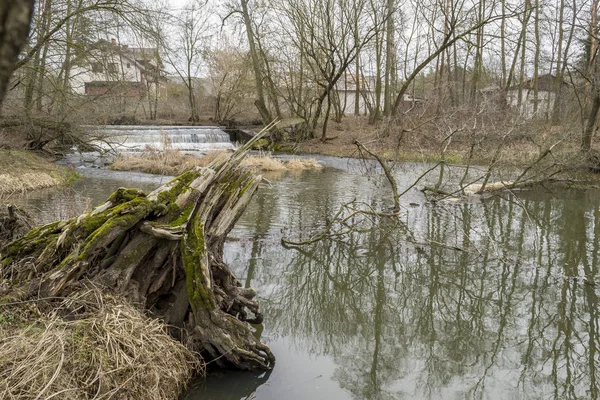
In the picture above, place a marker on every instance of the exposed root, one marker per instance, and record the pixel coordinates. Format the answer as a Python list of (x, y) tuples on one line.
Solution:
[(163, 251)]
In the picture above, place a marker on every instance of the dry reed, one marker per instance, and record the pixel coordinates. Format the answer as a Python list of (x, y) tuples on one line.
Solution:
[(21, 171), (300, 164), (90, 346), (264, 162), (171, 162), (27, 181)]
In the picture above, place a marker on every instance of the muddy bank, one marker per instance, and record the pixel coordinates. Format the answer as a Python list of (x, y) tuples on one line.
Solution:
[(421, 140)]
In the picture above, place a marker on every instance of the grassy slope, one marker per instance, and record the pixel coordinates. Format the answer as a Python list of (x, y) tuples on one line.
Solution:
[(21, 171)]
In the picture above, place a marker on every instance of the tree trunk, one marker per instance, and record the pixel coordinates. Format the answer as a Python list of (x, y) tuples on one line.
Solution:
[(536, 59), (194, 117), (558, 80), (389, 48), (376, 115), (164, 251), (588, 133), (326, 119), (478, 62), (357, 79), (15, 16), (528, 9), (592, 91), (260, 104), (503, 42)]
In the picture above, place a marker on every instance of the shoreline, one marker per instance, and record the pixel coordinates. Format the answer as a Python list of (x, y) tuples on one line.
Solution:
[(23, 171)]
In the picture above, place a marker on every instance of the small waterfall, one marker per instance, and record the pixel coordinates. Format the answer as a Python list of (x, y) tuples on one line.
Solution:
[(126, 138)]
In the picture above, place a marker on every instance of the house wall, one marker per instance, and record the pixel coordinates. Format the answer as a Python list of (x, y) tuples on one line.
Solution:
[(407, 103), (348, 98), (545, 102), (126, 71)]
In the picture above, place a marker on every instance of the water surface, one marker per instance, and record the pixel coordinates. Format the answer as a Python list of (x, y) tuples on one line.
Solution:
[(483, 299)]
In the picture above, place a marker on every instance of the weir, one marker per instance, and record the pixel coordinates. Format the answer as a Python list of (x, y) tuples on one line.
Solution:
[(134, 138)]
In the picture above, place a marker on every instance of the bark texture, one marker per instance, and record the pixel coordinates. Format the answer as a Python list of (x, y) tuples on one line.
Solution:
[(164, 251), (15, 16)]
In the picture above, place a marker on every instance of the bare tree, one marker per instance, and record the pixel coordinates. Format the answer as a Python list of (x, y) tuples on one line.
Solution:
[(323, 36), (457, 25), (191, 34), (230, 74), (593, 78), (257, 65)]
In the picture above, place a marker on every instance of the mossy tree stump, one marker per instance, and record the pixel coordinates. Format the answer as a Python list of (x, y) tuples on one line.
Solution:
[(164, 251)]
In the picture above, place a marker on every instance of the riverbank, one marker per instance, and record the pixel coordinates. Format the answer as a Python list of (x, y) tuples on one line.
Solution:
[(456, 142), (21, 171), (343, 271)]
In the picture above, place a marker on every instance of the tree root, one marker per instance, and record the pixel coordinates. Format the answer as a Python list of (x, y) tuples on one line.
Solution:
[(164, 251)]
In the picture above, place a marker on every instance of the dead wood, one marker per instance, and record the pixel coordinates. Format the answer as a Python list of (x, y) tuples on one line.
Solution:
[(14, 223), (162, 250)]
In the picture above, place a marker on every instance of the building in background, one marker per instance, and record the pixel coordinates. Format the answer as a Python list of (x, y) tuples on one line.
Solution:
[(546, 96), (108, 68)]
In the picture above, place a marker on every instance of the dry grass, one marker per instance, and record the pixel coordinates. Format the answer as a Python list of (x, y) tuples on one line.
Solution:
[(168, 162), (264, 162), (22, 171), (174, 163), (301, 164), (91, 346), (26, 181)]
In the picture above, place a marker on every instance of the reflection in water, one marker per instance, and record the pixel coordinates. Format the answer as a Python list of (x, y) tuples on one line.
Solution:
[(238, 384), (48, 205), (503, 309), (500, 304)]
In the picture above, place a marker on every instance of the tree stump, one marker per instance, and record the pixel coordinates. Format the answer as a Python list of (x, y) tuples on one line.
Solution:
[(163, 251)]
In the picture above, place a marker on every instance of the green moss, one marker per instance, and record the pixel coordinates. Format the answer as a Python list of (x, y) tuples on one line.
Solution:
[(183, 216), (123, 195), (167, 198), (281, 148), (193, 252), (33, 242), (93, 222), (123, 216), (236, 184), (261, 144)]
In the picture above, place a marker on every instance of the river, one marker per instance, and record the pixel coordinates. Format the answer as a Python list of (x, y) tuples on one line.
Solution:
[(484, 299)]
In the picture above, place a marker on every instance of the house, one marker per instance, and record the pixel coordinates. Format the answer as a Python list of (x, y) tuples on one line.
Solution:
[(546, 96), (345, 89), (108, 68)]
